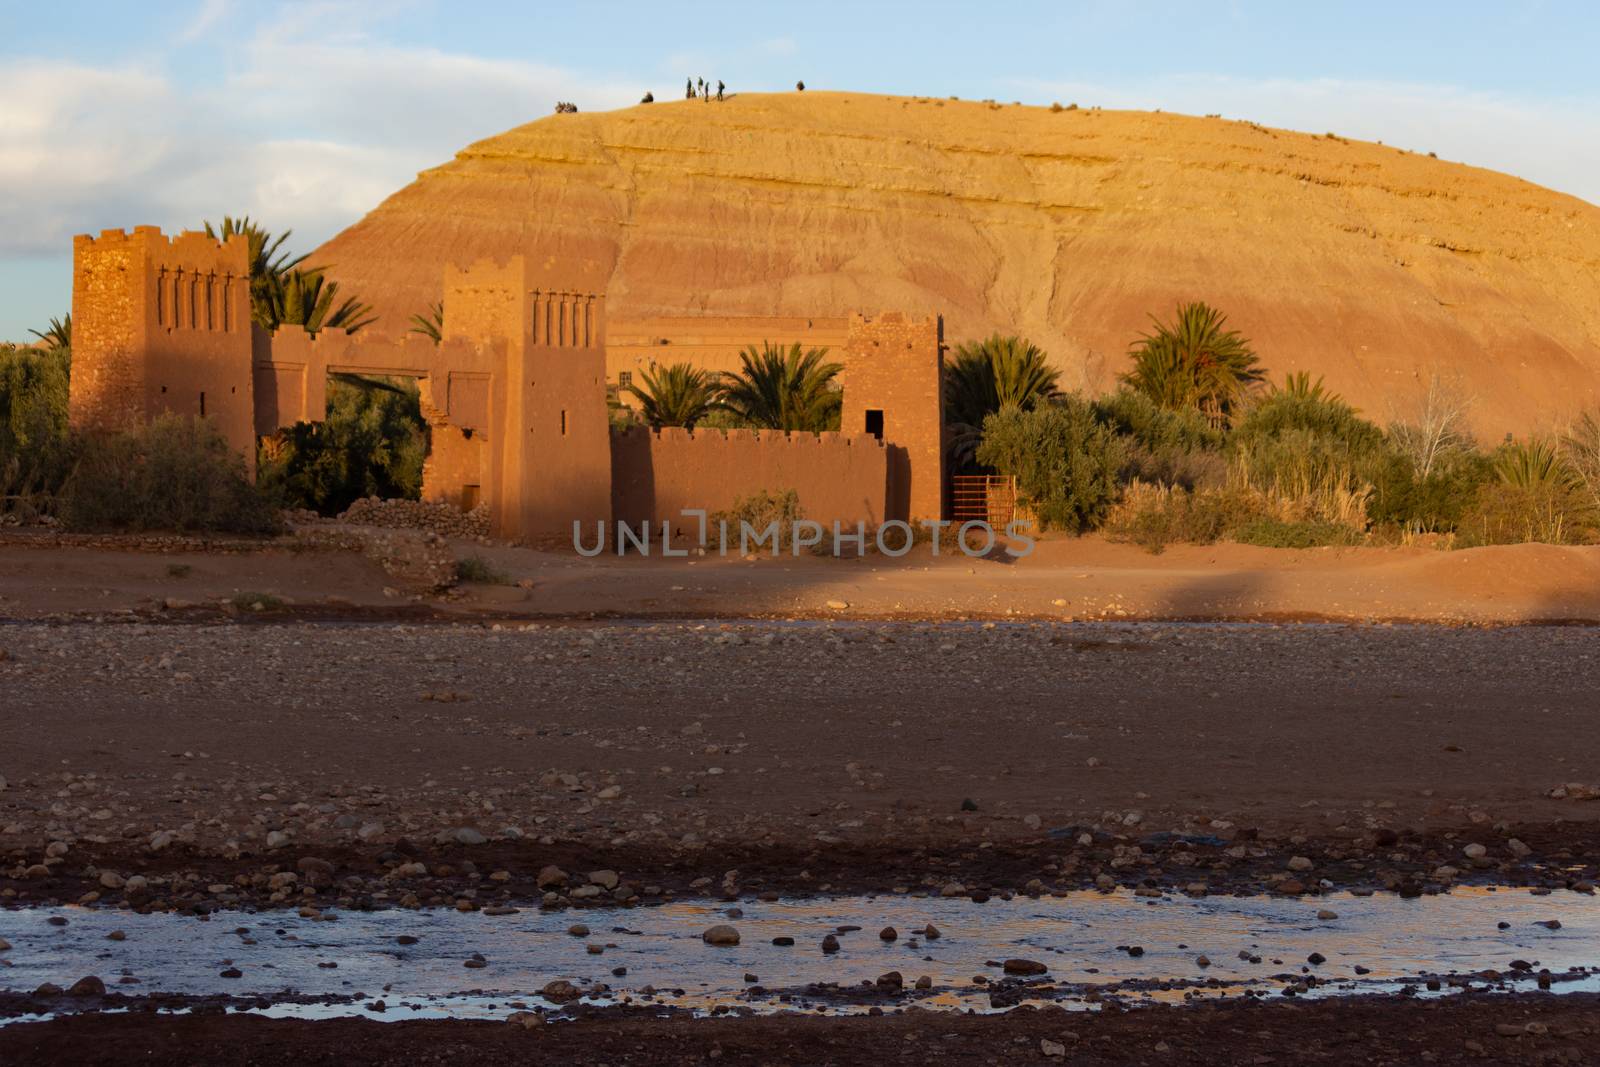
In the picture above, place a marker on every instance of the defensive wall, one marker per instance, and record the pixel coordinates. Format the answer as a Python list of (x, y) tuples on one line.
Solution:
[(656, 474), (514, 394)]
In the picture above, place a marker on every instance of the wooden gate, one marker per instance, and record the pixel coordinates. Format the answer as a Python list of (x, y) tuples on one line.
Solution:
[(990, 498)]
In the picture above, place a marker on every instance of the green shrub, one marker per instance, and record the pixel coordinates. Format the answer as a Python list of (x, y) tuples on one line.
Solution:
[(173, 474), (1155, 516), (1536, 495), (372, 444), (478, 569), (35, 449), (1065, 460), (1403, 499), (1503, 513), (760, 509), (1276, 533)]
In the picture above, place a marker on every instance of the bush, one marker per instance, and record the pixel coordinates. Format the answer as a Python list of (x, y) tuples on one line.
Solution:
[(1275, 533), (1536, 495), (760, 509), (1164, 447), (1403, 499), (1155, 516), (176, 474), (1503, 513), (1309, 451), (35, 450), (1065, 460), (372, 444), (478, 569)]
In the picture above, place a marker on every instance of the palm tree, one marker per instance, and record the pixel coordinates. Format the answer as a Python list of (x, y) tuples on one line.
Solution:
[(1195, 363), (1536, 464), (432, 324), (990, 376), (782, 389), (305, 298), (1581, 445), (59, 335), (269, 265), (678, 395)]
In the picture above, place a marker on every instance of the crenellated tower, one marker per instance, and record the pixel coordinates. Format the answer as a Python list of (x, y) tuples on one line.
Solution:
[(162, 325)]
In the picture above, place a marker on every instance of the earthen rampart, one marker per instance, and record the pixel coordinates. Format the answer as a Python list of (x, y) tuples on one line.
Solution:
[(656, 474)]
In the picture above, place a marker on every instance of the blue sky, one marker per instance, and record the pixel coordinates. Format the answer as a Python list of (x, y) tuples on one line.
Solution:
[(308, 113)]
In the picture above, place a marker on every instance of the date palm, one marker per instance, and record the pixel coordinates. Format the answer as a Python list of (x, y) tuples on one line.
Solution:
[(59, 335), (784, 389), (430, 325), (1194, 362), (306, 298), (989, 376), (269, 264), (676, 395)]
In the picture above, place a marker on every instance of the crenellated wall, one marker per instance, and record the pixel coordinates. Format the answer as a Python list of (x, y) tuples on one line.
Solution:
[(162, 325), (515, 394), (657, 474)]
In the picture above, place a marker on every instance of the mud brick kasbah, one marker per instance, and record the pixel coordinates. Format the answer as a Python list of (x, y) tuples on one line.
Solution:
[(515, 393)]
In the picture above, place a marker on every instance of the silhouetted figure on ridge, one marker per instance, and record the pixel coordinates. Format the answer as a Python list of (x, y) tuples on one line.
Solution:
[(719, 88)]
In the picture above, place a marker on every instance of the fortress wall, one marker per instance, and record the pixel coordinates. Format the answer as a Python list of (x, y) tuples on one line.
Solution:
[(162, 325), (656, 474)]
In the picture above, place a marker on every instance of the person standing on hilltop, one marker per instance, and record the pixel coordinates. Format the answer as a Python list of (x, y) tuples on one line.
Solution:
[(719, 88), (688, 88)]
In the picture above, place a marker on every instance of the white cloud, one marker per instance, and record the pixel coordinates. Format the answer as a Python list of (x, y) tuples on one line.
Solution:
[(1555, 143), (206, 17), (306, 134)]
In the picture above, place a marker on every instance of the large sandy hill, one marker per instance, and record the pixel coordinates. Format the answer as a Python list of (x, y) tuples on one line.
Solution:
[(1370, 265)]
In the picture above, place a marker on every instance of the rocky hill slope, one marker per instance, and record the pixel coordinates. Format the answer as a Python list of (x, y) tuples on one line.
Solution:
[(1373, 266)]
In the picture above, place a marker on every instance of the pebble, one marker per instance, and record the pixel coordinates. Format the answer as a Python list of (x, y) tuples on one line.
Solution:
[(721, 935), (931, 932), (1326, 915), (578, 930), (88, 986), (888, 933), (1021, 966), (551, 877), (830, 944), (468, 836), (1053, 1049), (1300, 863)]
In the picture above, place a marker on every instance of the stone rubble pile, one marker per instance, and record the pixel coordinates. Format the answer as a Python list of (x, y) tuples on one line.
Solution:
[(431, 516)]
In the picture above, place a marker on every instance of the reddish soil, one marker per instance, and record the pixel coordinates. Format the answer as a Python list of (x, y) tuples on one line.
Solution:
[(1370, 1030)]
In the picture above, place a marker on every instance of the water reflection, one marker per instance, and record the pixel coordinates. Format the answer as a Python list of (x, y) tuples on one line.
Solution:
[(1093, 945)]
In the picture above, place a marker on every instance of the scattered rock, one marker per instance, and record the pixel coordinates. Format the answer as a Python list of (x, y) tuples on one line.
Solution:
[(88, 986), (721, 935), (560, 991), (1021, 966)]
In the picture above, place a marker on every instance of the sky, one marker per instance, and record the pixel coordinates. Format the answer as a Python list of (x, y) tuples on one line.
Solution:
[(307, 113)]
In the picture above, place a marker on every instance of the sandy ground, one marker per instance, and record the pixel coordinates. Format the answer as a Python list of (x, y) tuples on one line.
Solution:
[(1062, 579), (166, 745)]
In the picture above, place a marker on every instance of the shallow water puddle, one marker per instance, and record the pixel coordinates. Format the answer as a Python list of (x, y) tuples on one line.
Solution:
[(1255, 946)]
